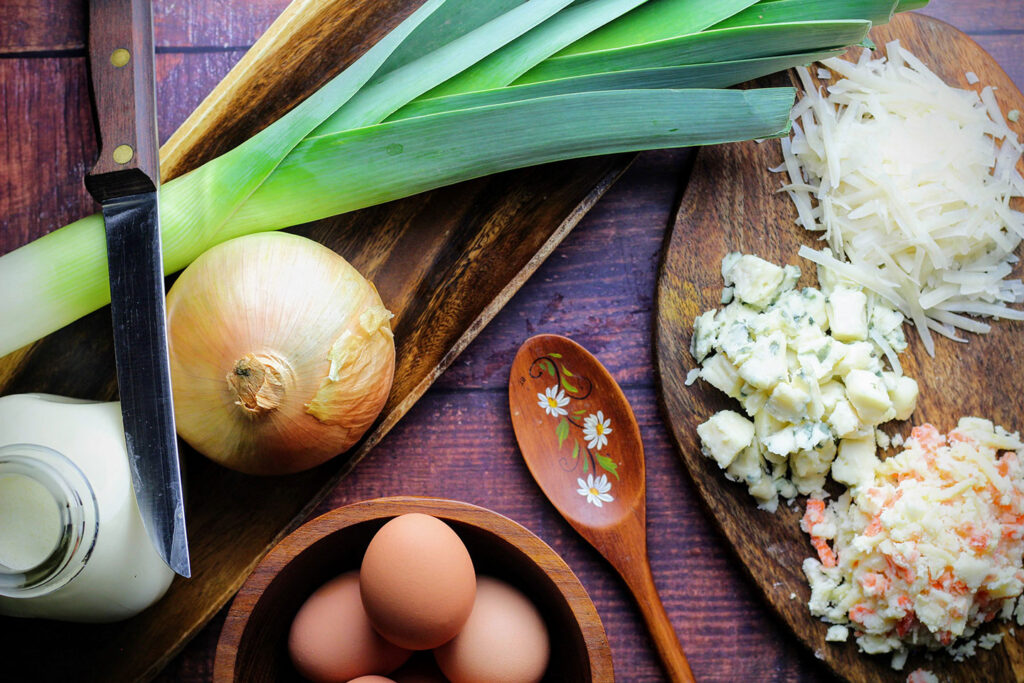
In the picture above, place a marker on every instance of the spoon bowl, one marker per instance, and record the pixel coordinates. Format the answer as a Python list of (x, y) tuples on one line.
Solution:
[(582, 444), (577, 434)]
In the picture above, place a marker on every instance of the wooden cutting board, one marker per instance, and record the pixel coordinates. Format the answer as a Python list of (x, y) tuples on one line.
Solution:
[(731, 204), (444, 262)]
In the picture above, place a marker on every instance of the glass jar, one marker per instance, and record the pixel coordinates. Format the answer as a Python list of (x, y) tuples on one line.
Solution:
[(72, 543), (50, 519)]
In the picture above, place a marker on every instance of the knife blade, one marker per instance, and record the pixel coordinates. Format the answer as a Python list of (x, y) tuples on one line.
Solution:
[(125, 181)]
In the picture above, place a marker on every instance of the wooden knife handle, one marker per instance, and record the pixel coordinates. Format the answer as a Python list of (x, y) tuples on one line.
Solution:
[(123, 86)]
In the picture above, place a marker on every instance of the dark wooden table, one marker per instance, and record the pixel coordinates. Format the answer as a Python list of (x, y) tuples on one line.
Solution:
[(457, 442)]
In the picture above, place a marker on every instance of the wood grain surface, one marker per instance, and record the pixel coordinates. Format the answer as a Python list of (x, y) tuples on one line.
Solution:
[(251, 645), (982, 378), (298, 54), (124, 96), (597, 288), (444, 264)]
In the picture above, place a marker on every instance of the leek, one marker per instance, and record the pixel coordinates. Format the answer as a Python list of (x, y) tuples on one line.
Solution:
[(744, 42), (712, 75), (514, 59), (400, 158), (459, 89), (387, 93), (781, 11), (657, 20), (906, 5)]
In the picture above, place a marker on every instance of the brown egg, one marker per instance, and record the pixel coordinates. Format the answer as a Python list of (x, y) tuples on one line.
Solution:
[(372, 679), (417, 582), (331, 639), (504, 640)]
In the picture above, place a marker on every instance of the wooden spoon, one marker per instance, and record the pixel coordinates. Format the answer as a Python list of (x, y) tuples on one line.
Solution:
[(582, 444)]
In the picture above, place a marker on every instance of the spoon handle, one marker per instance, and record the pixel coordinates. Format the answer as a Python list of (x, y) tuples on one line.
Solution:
[(640, 581)]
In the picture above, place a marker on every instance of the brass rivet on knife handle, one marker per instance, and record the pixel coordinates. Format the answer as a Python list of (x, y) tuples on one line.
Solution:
[(123, 154), (120, 57), (121, 65)]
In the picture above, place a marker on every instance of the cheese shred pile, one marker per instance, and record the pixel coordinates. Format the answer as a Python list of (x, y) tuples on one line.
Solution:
[(928, 548), (911, 182)]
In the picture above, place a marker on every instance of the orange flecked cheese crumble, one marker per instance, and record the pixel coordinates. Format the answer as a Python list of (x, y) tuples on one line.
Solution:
[(927, 549)]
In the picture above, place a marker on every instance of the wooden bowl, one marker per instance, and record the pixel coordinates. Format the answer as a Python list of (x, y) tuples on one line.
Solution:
[(253, 642)]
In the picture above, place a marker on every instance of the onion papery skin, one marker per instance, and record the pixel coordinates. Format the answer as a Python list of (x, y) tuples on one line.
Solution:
[(281, 354)]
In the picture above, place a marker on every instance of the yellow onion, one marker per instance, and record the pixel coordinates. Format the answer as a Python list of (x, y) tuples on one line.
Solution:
[(281, 353)]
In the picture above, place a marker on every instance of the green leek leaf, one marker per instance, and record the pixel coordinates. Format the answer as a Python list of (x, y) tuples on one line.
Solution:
[(331, 174), (454, 19), (657, 20), (713, 75), (782, 11), (384, 95), (745, 42), (512, 61)]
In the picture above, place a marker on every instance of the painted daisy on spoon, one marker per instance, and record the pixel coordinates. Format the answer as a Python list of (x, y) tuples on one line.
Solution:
[(553, 401), (596, 429), (595, 490)]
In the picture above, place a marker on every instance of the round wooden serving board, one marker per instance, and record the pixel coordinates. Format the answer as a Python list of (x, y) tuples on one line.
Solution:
[(732, 204)]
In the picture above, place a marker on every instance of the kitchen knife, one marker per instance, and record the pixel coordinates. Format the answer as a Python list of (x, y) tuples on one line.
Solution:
[(125, 181)]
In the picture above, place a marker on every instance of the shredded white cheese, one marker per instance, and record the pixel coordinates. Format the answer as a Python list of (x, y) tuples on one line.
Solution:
[(928, 549), (911, 182)]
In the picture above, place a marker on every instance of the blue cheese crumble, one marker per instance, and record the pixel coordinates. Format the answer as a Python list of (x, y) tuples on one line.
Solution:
[(807, 369)]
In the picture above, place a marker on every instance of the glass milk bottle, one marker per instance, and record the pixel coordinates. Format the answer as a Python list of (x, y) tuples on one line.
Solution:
[(72, 543)]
